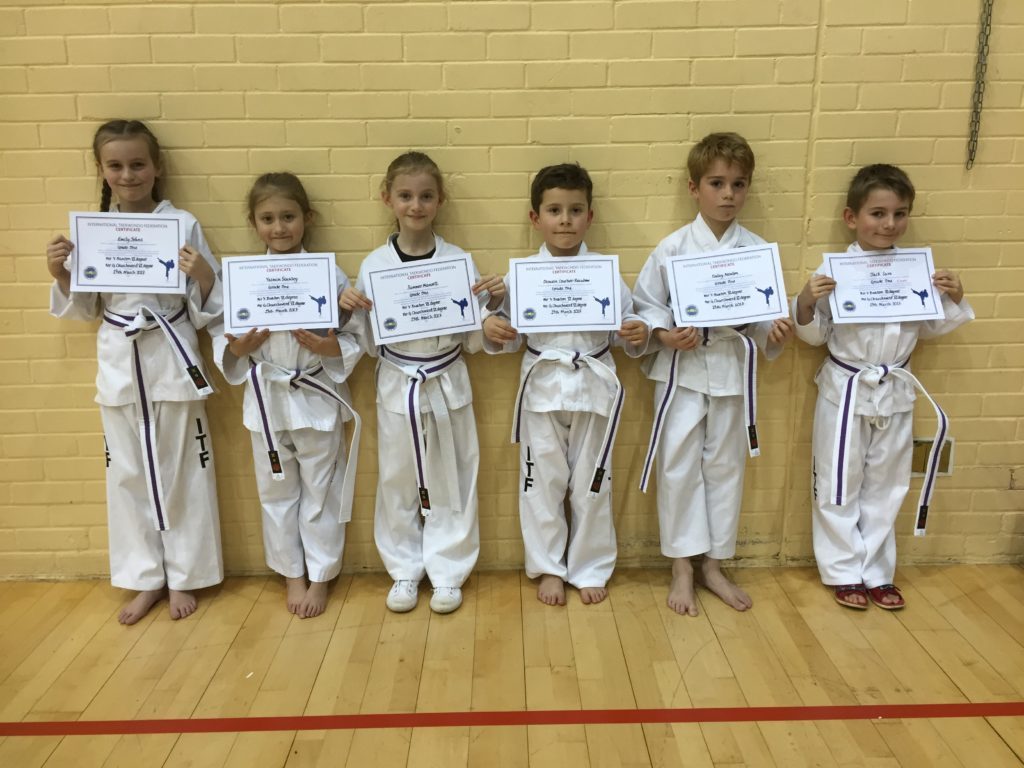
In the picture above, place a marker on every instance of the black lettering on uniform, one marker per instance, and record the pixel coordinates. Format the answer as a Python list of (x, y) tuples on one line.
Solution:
[(528, 479), (106, 451), (204, 452), (814, 479)]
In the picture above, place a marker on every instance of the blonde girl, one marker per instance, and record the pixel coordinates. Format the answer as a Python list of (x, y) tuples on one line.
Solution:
[(296, 403), (425, 522), (163, 524)]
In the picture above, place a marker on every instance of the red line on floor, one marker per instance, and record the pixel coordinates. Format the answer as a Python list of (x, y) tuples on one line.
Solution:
[(506, 718)]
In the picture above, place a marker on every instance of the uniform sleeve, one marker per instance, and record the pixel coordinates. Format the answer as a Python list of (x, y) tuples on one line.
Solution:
[(203, 313), (819, 329), (503, 311), (956, 315), (629, 313), (759, 333), (234, 368), (340, 368), (74, 306), (651, 295)]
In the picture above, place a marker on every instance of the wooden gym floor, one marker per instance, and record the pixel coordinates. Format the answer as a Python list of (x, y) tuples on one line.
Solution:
[(504, 661)]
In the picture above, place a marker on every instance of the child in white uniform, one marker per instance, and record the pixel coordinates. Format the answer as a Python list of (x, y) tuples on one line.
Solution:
[(163, 524), (296, 403), (425, 523), (567, 411), (705, 394), (854, 521)]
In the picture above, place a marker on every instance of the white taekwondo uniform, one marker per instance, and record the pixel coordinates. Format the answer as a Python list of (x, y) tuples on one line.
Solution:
[(855, 539), (304, 474), (566, 416), (162, 515), (699, 406), (425, 520)]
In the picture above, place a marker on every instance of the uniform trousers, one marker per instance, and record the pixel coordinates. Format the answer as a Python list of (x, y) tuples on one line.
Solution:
[(557, 454), (187, 555), (301, 532), (856, 542), (443, 544), (701, 460)]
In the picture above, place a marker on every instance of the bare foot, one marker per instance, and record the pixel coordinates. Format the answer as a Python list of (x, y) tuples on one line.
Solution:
[(551, 590), (315, 602), (140, 605), (681, 597), (592, 595), (296, 594), (182, 603), (715, 580)]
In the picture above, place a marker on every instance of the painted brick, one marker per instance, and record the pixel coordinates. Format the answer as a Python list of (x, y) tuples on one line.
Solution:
[(307, 17), (517, 46), (607, 45), (466, 46), (369, 105), (776, 42), (693, 43), (642, 14), (363, 47), (489, 17), (33, 51), (401, 77), (288, 49), (149, 77), (569, 74), (866, 12), (66, 21), (458, 76), (405, 17), (298, 106), (580, 14), (152, 19), (198, 49), (648, 73)]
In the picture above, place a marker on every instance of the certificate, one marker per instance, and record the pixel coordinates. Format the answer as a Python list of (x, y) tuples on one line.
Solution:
[(127, 253), (422, 299), (883, 286), (572, 293), (280, 292), (728, 287)]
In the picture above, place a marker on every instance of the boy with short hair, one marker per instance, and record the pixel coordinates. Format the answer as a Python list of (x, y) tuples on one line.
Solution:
[(567, 410), (700, 433), (854, 534)]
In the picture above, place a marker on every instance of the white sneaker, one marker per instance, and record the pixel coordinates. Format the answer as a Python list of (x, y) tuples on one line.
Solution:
[(445, 599), (403, 596)]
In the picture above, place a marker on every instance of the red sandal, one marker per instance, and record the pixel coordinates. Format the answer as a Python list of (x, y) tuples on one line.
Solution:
[(842, 593), (878, 595)]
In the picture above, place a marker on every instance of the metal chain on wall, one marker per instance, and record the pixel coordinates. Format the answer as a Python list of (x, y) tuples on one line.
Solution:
[(984, 30)]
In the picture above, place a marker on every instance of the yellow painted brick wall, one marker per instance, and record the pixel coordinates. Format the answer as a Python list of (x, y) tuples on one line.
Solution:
[(494, 90)]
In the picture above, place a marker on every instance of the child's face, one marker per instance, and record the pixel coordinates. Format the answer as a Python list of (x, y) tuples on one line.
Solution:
[(563, 220), (881, 221), (280, 224), (414, 199), (127, 167), (720, 194)]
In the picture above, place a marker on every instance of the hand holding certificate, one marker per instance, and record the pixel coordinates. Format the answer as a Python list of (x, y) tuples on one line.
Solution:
[(422, 299), (730, 287), (126, 253), (883, 286), (578, 293), (280, 293)]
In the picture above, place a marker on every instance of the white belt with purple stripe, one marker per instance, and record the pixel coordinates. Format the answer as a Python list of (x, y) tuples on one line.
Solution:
[(873, 375), (576, 360), (261, 375), (749, 403), (421, 370), (148, 319)]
